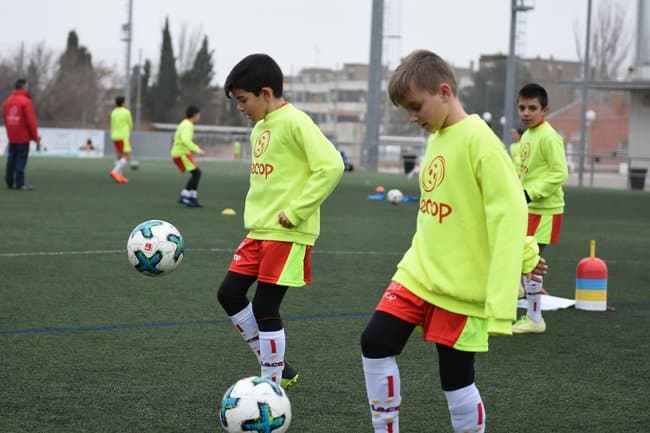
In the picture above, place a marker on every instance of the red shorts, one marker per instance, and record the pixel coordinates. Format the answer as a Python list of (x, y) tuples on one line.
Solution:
[(185, 162), (275, 262), (439, 325), (119, 146), (545, 228)]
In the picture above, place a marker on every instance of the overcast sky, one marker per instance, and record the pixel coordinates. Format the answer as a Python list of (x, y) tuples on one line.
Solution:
[(298, 33)]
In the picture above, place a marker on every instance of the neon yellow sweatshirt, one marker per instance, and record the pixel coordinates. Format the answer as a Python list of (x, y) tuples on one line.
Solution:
[(466, 254), (184, 139), (294, 168), (531, 255), (121, 124), (515, 154), (543, 169)]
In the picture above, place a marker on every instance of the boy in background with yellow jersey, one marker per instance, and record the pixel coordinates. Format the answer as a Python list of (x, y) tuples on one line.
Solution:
[(459, 279), (121, 124), (183, 147), (543, 172), (294, 168), (515, 147)]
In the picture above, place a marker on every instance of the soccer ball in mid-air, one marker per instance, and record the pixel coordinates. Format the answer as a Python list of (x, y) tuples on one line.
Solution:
[(134, 164), (255, 404), (394, 196), (155, 247)]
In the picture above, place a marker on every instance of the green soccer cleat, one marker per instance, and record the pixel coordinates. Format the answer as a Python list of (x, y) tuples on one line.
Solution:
[(526, 326), (289, 376)]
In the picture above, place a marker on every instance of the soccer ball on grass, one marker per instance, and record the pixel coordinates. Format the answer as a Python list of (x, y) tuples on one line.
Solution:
[(394, 196), (155, 247), (255, 404)]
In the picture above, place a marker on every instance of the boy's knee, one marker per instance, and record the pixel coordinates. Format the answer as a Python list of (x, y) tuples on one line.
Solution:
[(222, 294), (374, 346), (231, 298)]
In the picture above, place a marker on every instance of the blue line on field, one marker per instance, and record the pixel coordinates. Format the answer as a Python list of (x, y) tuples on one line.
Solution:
[(118, 327)]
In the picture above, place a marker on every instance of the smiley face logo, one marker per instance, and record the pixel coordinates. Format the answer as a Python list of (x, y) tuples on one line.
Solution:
[(433, 174), (525, 151), (262, 143)]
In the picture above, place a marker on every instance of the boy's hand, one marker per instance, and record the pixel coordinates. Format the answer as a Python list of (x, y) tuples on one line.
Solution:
[(201, 152), (284, 221), (540, 270)]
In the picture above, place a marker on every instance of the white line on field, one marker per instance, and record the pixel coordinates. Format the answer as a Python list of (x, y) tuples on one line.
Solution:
[(211, 250), (230, 250)]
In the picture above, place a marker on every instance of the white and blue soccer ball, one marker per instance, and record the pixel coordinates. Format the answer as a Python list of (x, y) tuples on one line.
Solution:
[(255, 404), (155, 248), (394, 196)]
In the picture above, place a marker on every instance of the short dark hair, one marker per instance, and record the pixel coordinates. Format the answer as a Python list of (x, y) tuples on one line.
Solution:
[(532, 91), (119, 101), (20, 83), (253, 73), (191, 110)]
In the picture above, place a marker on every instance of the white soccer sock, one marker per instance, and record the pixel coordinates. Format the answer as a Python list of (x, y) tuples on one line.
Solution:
[(272, 346), (383, 387), (534, 300), (246, 325), (466, 409), (186, 193), (194, 193), (120, 164)]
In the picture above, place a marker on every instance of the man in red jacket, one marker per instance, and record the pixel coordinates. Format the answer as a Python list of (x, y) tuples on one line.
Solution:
[(20, 123)]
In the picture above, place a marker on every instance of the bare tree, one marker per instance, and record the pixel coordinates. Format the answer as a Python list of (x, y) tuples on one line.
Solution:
[(10, 70), (67, 89), (610, 41), (37, 64), (189, 43), (107, 80)]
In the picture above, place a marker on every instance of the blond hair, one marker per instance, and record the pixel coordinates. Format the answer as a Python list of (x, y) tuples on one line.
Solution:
[(423, 70)]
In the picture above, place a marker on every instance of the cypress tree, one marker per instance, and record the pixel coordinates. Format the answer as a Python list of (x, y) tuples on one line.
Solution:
[(165, 93), (195, 83)]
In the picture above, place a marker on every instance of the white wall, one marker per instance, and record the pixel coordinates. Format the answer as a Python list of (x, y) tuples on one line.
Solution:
[(639, 145), (64, 142)]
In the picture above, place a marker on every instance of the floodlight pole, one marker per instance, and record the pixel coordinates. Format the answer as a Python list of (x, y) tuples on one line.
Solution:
[(127, 37), (585, 88), (373, 100), (138, 91), (511, 71)]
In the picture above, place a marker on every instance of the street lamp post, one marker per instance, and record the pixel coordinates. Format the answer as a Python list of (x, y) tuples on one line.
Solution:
[(127, 37), (590, 117), (369, 155), (585, 89), (516, 6)]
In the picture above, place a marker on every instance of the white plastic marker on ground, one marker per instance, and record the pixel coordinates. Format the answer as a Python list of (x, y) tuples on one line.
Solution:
[(550, 303)]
